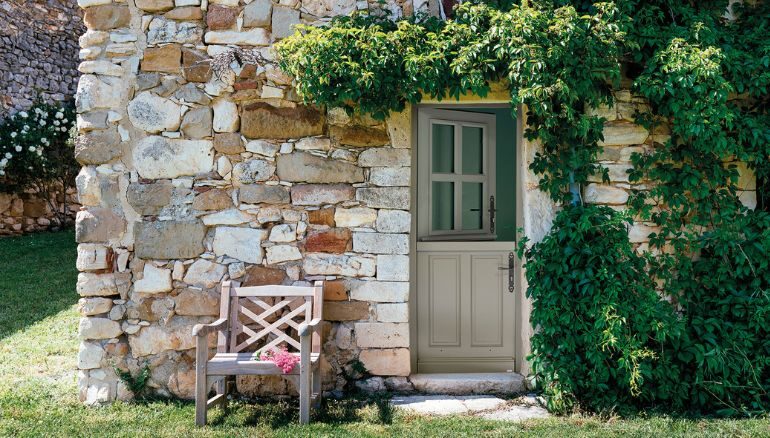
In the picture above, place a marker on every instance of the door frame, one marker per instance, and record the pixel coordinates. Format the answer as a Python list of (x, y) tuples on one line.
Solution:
[(469, 102)]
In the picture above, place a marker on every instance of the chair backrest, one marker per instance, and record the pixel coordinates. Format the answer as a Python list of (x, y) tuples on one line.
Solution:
[(264, 317)]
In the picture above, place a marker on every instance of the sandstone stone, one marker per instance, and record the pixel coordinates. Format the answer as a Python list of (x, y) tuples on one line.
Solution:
[(262, 386), (197, 123), (284, 20), (155, 5), (282, 253), (94, 306), (386, 157), (236, 270), (196, 65), (91, 285), (221, 18), (747, 179), (258, 13), (382, 335), (204, 273), (359, 136), (345, 311), (35, 208), (283, 233), (276, 75), (155, 280), (252, 37), (335, 240), (322, 216), (162, 30), (251, 171), (228, 143), (225, 116), (304, 167), (106, 17), (392, 312), (335, 290), (392, 267), (603, 194), (262, 147), (231, 216), (98, 92), (169, 240), (99, 328), (623, 133), (394, 221), (390, 176), (194, 302), (264, 121), (182, 384), (100, 68), (639, 233), (384, 197), (617, 173), (97, 225), (264, 194), (338, 264), (266, 215), (381, 243), (243, 244), (400, 129), (149, 199), (214, 199), (261, 276), (386, 362), (97, 147), (380, 291), (153, 113), (748, 198), (90, 355), (92, 257), (185, 13), (156, 339), (313, 143), (158, 157), (318, 194), (92, 121)]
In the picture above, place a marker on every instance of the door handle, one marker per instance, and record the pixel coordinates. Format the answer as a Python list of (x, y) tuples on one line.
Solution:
[(511, 272)]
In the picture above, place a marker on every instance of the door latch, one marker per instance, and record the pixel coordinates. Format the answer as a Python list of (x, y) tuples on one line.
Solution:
[(492, 215), (511, 272)]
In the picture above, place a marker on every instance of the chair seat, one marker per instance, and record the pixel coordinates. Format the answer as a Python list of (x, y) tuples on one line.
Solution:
[(228, 364)]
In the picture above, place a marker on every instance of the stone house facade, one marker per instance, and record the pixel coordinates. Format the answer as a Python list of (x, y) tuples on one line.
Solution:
[(190, 179)]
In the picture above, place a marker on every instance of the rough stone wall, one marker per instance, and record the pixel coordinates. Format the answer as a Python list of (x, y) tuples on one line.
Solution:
[(38, 51), (29, 212)]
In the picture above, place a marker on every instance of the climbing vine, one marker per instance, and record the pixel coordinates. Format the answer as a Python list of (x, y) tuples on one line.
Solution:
[(604, 341)]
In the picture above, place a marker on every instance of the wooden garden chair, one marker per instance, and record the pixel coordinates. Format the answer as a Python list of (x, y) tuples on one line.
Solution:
[(260, 317)]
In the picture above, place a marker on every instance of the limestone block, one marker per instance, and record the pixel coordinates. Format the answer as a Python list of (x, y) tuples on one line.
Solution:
[(345, 310), (394, 221), (384, 197), (380, 291), (204, 273), (258, 13), (392, 312), (97, 147), (155, 5), (221, 17), (106, 17), (99, 328), (162, 30), (639, 232), (313, 143), (182, 384), (91, 285), (195, 302), (158, 157), (252, 37), (93, 257), (329, 8), (322, 216), (748, 198), (90, 355), (616, 172), (338, 264), (392, 267), (264, 121), (260, 193), (319, 194), (155, 280), (623, 133), (251, 171), (197, 123), (184, 13), (386, 362), (94, 306), (228, 143), (261, 276), (231, 216), (390, 176), (98, 92), (153, 113), (358, 135), (335, 240), (381, 243), (98, 225), (382, 335), (214, 199), (195, 65), (225, 116), (100, 68), (156, 339), (284, 20), (400, 129), (386, 157), (283, 233), (262, 147), (355, 217), (243, 244), (149, 199), (282, 253), (603, 194), (169, 240), (304, 167)]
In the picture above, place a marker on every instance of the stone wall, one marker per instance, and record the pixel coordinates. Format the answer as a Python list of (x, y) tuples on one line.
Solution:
[(29, 212), (38, 51)]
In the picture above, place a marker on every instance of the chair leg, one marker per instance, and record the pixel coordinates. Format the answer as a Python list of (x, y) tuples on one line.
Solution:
[(201, 387), (304, 380), (317, 392)]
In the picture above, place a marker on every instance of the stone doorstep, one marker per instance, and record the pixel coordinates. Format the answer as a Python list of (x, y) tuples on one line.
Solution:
[(484, 406), (469, 383)]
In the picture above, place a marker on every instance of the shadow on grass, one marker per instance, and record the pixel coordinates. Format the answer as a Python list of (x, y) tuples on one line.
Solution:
[(37, 278)]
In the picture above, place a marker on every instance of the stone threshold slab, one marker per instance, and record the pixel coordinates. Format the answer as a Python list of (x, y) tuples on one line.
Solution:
[(484, 406), (469, 383)]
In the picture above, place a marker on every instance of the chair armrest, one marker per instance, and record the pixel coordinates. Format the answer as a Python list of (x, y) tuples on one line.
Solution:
[(307, 328), (205, 329)]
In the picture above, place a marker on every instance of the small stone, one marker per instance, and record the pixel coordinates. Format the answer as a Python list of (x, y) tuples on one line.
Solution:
[(264, 121), (90, 355), (185, 13), (358, 136), (197, 123), (264, 194), (313, 143), (253, 37), (94, 306), (157, 157), (323, 216), (106, 17), (335, 290), (380, 291), (335, 240), (284, 20), (90, 285), (97, 147), (394, 221), (155, 5), (603, 194), (623, 133), (251, 171), (257, 13), (371, 385), (392, 312), (156, 339), (384, 197), (390, 176), (392, 267), (228, 143), (214, 199), (386, 362), (221, 18), (266, 215), (283, 233), (153, 113), (304, 167), (282, 253), (155, 280), (197, 67), (232, 216), (204, 273), (169, 240), (262, 147), (93, 257), (382, 335), (95, 225), (386, 157), (165, 59), (381, 243), (99, 328), (319, 194), (345, 311), (243, 244), (399, 385), (355, 217), (149, 199), (225, 116), (236, 270), (192, 302), (162, 30), (262, 276), (339, 264)]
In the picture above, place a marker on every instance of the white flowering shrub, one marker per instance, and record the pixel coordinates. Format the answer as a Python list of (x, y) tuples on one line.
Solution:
[(37, 150)]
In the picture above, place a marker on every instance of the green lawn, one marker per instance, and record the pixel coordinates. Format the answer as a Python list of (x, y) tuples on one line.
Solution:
[(38, 395)]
